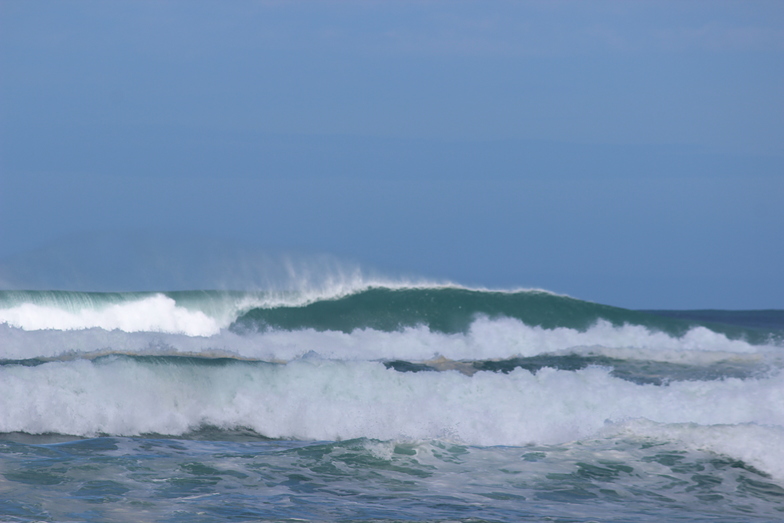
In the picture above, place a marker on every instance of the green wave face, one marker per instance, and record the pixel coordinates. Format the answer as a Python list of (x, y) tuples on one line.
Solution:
[(447, 310), (452, 310)]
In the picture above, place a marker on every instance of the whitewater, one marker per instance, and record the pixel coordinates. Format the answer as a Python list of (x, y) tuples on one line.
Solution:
[(385, 401)]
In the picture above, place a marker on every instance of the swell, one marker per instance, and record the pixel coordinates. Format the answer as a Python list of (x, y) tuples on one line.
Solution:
[(348, 308), (452, 310), (767, 319)]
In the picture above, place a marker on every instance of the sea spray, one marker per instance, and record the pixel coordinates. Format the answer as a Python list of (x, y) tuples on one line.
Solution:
[(359, 400)]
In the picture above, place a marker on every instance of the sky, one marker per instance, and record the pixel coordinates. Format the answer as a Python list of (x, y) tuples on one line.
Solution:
[(629, 153)]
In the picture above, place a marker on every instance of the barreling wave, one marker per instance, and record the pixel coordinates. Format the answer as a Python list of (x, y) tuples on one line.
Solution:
[(350, 360), (346, 308), (192, 313), (453, 310)]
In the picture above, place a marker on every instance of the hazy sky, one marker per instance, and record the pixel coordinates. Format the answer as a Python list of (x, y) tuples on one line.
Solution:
[(630, 153)]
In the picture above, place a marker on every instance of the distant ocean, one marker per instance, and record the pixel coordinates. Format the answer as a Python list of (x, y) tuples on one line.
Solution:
[(385, 402)]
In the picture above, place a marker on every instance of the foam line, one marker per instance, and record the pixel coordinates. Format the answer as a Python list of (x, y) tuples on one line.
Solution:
[(317, 399), (487, 339)]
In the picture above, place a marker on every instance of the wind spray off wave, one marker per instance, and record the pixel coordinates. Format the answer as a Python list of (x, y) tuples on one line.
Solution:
[(566, 396)]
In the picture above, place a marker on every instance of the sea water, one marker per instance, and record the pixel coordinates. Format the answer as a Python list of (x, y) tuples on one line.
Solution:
[(385, 402)]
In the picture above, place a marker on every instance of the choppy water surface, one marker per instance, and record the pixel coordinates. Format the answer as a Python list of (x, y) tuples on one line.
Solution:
[(148, 479), (386, 404)]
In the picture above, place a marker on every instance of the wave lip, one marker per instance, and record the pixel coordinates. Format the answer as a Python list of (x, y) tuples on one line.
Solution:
[(452, 310), (414, 323)]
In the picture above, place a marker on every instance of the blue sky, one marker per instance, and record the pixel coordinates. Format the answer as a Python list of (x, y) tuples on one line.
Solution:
[(630, 153)]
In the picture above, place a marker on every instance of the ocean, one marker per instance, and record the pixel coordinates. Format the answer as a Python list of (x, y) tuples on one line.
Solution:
[(385, 402)]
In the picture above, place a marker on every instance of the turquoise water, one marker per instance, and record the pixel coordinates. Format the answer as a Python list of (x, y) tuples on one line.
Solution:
[(158, 479), (385, 404)]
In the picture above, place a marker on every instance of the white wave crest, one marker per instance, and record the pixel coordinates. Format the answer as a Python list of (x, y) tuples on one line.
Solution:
[(328, 400), (156, 313), (486, 340), (194, 313)]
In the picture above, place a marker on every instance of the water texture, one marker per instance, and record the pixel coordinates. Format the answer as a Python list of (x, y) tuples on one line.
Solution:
[(385, 403)]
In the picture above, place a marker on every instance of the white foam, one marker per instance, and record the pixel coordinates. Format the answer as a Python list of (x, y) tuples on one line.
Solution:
[(761, 446), (320, 399), (602, 338), (486, 339), (160, 313), (156, 313)]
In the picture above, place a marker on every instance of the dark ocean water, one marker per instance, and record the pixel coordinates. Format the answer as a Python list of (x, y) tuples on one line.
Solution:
[(385, 403)]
